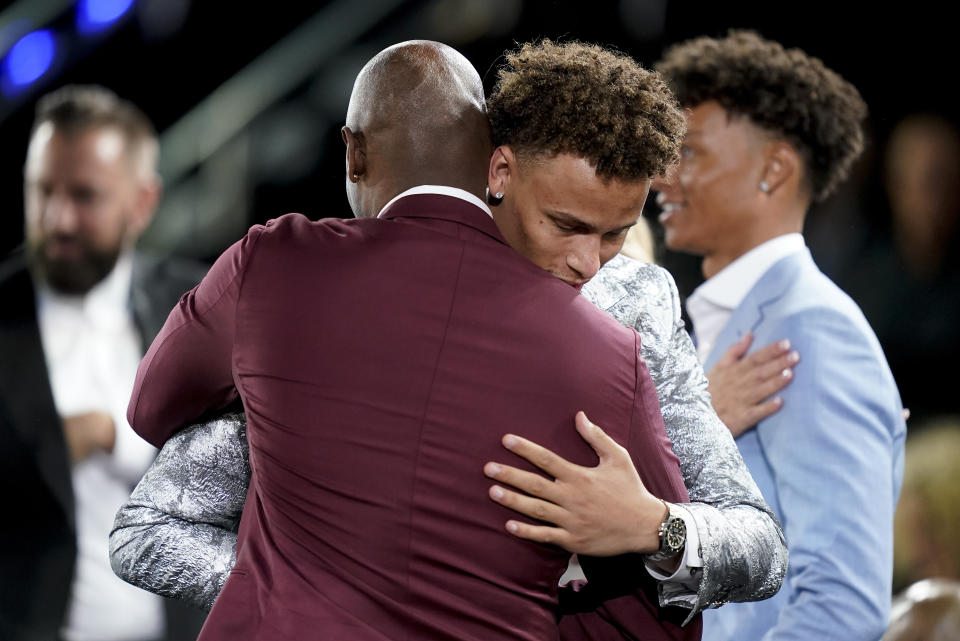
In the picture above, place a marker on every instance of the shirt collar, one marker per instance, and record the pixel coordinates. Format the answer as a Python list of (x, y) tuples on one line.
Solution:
[(728, 287), (442, 190)]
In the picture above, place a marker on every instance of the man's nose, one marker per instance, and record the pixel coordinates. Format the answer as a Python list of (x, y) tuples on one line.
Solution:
[(59, 215), (585, 257)]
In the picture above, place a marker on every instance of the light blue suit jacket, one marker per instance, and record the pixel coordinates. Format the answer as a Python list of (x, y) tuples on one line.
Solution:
[(829, 463)]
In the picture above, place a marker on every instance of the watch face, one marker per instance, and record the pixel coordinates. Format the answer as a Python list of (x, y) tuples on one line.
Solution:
[(676, 534)]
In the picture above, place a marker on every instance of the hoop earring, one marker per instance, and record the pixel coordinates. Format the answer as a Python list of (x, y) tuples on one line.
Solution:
[(494, 199)]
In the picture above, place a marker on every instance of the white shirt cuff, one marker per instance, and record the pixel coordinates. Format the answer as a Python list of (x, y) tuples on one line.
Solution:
[(689, 572)]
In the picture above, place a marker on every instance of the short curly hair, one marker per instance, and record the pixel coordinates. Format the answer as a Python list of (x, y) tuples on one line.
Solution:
[(590, 102), (784, 91)]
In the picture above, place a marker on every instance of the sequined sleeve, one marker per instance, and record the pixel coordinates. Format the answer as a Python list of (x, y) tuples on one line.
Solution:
[(176, 536), (741, 541)]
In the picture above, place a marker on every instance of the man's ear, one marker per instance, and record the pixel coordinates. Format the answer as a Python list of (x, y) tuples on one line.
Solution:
[(356, 153), (503, 165), (782, 164), (148, 195)]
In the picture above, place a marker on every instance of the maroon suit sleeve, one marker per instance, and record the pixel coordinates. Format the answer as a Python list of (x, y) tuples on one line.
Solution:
[(187, 371), (619, 601)]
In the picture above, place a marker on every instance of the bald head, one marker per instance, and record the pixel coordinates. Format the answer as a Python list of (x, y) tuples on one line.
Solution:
[(417, 116), (404, 83)]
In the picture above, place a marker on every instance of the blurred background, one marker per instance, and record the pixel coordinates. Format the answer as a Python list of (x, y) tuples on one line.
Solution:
[(249, 102)]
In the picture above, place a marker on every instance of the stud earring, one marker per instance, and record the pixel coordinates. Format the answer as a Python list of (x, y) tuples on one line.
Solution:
[(494, 199), (764, 187)]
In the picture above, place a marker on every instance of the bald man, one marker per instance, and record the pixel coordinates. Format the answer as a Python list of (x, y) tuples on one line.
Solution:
[(372, 357)]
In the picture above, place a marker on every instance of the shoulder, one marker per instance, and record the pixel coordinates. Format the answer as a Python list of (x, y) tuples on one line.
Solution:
[(298, 225), (840, 355), (16, 285), (622, 269), (13, 265), (173, 272), (640, 295), (291, 234), (813, 305)]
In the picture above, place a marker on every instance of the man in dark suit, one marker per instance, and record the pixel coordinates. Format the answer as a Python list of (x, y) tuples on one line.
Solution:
[(376, 358), (79, 308)]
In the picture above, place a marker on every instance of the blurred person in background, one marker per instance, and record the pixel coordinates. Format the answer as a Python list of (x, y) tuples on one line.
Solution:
[(929, 610), (769, 131), (908, 280), (80, 305), (927, 521), (638, 244)]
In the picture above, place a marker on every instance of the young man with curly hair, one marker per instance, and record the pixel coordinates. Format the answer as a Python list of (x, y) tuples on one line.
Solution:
[(569, 121), (769, 131)]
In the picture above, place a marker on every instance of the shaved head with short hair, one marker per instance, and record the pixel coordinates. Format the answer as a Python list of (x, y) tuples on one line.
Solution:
[(417, 116)]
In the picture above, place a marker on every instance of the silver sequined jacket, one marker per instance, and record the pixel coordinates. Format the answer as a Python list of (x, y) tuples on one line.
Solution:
[(176, 535)]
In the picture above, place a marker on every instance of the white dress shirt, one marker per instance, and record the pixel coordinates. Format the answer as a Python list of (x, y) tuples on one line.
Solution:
[(712, 303), (92, 350)]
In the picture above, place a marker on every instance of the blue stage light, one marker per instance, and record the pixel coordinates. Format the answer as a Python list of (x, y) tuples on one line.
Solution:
[(96, 15), (30, 57)]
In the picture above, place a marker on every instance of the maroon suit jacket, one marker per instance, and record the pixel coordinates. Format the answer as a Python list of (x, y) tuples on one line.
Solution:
[(379, 362)]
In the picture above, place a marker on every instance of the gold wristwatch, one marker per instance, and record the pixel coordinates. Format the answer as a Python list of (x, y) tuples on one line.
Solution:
[(673, 536)]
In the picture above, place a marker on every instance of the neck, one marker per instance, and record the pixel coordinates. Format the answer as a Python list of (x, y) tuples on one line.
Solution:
[(788, 222), (400, 184)]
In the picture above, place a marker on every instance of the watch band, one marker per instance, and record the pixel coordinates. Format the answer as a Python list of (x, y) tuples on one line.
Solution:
[(673, 535)]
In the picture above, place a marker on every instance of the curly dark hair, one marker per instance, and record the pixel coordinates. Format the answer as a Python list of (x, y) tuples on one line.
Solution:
[(589, 102), (784, 91)]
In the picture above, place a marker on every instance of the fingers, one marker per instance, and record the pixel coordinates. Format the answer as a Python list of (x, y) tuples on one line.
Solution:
[(599, 440), (754, 415), (771, 351), (777, 352), (765, 409), (538, 455), (771, 361), (527, 505), (737, 350), (528, 482), (538, 533), (771, 383)]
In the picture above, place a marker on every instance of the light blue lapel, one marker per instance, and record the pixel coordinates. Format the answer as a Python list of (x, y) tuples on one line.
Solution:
[(752, 311)]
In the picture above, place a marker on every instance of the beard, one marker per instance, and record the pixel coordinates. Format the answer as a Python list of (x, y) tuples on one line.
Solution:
[(78, 273)]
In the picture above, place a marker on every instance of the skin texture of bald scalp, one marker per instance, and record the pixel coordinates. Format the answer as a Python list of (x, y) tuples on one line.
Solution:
[(417, 116)]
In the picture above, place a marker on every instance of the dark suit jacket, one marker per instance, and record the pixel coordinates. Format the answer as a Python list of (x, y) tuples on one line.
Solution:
[(37, 540), (379, 362)]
